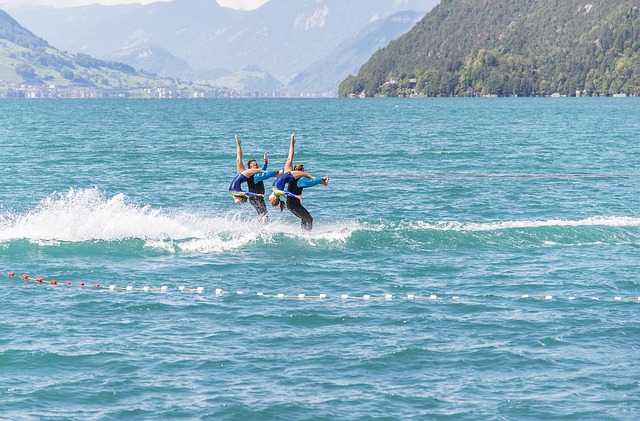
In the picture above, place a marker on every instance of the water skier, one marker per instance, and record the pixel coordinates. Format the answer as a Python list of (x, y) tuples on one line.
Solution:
[(290, 184), (254, 178)]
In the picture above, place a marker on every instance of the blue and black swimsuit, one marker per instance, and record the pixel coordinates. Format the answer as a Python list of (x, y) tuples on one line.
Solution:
[(235, 188), (255, 184), (280, 183), (294, 188)]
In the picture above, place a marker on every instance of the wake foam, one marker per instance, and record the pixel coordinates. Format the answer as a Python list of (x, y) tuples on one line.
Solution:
[(87, 215), (613, 221), (522, 234)]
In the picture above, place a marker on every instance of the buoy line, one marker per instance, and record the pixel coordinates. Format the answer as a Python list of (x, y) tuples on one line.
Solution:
[(280, 296)]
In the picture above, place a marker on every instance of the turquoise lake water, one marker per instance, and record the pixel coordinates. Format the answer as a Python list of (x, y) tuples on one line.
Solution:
[(470, 259)]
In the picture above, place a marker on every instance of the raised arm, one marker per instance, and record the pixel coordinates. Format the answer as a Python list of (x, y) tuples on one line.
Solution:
[(288, 166), (266, 161), (239, 165)]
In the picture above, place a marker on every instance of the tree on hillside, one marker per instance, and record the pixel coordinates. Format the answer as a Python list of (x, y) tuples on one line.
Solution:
[(26, 72)]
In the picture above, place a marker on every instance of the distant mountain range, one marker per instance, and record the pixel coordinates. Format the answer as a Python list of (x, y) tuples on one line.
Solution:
[(295, 46), (510, 48), (30, 67)]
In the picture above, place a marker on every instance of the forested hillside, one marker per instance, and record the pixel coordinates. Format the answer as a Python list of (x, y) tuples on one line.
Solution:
[(508, 48)]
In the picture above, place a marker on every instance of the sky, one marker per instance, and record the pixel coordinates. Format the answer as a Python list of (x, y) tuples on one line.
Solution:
[(234, 4)]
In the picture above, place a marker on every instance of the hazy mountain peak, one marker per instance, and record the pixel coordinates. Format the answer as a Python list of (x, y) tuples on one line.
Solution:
[(317, 19), (199, 37)]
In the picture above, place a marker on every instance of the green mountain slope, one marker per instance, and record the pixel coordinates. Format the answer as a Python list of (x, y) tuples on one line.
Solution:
[(507, 48), (30, 67)]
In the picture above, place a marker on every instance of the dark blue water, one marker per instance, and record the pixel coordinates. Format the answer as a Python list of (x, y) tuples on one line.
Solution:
[(470, 259)]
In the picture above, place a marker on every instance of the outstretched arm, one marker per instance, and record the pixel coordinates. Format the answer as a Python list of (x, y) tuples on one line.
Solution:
[(266, 161), (267, 174), (239, 164), (288, 166), (312, 181)]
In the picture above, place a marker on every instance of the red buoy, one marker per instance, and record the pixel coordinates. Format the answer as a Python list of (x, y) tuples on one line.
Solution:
[(12, 274), (54, 282)]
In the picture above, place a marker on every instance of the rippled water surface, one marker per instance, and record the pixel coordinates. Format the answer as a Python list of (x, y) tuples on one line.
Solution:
[(470, 259)]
